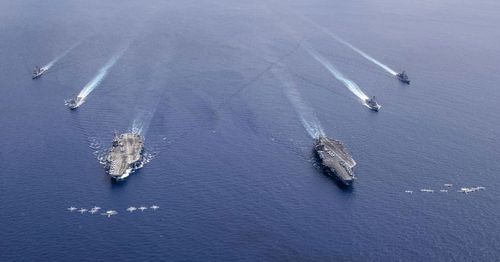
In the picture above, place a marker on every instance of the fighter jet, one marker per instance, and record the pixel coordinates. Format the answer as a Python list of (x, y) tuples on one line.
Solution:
[(96, 208), (82, 210), (131, 209), (71, 209), (109, 213), (93, 211), (468, 190), (142, 208), (154, 207), (465, 190)]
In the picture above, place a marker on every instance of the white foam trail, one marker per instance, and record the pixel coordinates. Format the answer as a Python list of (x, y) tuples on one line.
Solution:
[(90, 86), (141, 122), (140, 125), (351, 85), (363, 54), (355, 49), (306, 114), (152, 95), (53, 62), (144, 115)]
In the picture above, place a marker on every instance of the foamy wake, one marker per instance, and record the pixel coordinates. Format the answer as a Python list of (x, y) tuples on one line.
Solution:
[(351, 85), (53, 62), (306, 114), (140, 124), (355, 49), (103, 72), (363, 54)]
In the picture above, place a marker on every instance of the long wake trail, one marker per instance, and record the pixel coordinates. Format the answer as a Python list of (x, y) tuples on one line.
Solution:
[(92, 84), (351, 85), (306, 114), (140, 124), (355, 49), (363, 54), (146, 111), (55, 60), (152, 95)]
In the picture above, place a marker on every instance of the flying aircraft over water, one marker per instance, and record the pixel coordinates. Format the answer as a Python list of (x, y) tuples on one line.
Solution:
[(109, 213)]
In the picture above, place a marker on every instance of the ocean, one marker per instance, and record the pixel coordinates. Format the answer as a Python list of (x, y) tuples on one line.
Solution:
[(229, 96)]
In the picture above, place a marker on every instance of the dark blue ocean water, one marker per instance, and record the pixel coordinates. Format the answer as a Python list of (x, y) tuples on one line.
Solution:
[(232, 168)]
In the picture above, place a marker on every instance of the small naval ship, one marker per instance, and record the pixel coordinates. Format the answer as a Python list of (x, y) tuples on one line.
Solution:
[(38, 71), (403, 77), (335, 160), (372, 104), (74, 103), (125, 155)]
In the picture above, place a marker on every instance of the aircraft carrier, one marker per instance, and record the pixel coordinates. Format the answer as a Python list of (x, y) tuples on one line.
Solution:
[(334, 158), (125, 155)]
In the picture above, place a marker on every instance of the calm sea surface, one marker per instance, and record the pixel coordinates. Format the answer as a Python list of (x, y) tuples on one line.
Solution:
[(226, 95)]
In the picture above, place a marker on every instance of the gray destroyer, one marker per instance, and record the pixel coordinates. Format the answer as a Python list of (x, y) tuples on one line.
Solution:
[(335, 159), (38, 71), (403, 77), (125, 155), (74, 103), (372, 104)]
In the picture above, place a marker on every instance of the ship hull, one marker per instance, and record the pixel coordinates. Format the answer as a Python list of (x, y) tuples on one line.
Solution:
[(74, 103), (125, 156), (333, 174), (403, 78), (335, 160), (39, 74)]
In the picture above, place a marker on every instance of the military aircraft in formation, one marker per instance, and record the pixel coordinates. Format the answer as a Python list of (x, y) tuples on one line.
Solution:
[(110, 213)]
